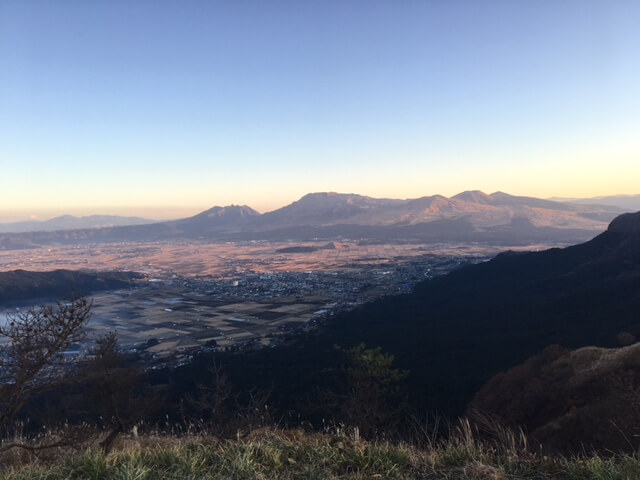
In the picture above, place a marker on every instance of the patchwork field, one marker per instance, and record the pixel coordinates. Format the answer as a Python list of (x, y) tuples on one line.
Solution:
[(228, 295), (224, 259), (168, 323)]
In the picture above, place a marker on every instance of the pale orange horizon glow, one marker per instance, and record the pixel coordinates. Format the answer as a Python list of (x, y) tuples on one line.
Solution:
[(265, 204)]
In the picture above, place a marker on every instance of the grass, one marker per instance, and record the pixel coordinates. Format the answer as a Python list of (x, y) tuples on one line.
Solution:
[(295, 455)]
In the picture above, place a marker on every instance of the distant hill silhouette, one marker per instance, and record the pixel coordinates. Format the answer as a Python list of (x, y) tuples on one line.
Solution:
[(69, 222), (469, 216), (474, 196), (627, 203), (456, 331), (214, 220)]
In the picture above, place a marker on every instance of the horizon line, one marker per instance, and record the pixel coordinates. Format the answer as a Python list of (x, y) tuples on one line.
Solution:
[(163, 213)]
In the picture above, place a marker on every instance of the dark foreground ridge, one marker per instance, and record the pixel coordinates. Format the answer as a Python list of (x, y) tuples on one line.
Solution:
[(454, 332)]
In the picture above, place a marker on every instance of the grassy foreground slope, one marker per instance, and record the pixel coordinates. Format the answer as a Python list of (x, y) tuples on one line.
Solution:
[(278, 455)]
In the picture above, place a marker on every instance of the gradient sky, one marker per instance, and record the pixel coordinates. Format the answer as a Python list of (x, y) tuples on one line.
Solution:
[(164, 108)]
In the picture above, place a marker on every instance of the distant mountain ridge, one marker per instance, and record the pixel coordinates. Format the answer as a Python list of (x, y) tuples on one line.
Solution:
[(627, 203), (480, 209), (468, 216), (216, 218), (70, 222)]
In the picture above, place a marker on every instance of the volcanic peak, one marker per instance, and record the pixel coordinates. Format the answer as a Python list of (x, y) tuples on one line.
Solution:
[(474, 196), (228, 211)]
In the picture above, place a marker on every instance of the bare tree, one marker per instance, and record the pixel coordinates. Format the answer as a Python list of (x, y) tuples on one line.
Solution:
[(210, 404), (31, 357), (225, 411), (110, 382), (367, 392), (32, 346)]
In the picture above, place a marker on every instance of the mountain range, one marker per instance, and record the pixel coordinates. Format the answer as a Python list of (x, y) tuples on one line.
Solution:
[(468, 216)]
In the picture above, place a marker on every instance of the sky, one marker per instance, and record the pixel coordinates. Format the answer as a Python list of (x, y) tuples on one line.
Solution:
[(164, 108)]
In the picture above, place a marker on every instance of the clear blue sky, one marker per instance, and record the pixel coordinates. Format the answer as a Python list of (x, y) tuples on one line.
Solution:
[(121, 106)]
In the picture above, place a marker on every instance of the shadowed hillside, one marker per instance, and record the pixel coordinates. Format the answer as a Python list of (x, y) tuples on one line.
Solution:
[(455, 332), (19, 285), (587, 398)]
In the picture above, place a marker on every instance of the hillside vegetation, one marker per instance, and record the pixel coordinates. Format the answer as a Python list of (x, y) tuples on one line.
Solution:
[(571, 400)]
